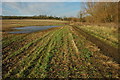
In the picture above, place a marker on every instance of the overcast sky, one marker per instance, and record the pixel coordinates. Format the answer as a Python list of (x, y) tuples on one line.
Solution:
[(61, 9)]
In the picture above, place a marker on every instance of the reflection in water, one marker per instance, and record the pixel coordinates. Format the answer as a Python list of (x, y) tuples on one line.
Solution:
[(30, 29)]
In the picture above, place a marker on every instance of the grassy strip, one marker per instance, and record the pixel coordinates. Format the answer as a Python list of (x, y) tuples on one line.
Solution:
[(107, 34), (79, 68), (59, 63)]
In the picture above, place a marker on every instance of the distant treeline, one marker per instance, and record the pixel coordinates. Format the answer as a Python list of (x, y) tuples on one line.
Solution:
[(75, 19), (31, 17)]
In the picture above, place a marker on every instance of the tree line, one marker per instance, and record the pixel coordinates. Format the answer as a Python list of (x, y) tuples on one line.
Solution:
[(32, 17), (75, 19)]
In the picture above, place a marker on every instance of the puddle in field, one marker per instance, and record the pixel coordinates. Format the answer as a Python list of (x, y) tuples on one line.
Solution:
[(30, 29)]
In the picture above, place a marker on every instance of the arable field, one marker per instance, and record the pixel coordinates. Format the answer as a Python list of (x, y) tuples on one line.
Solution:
[(59, 52)]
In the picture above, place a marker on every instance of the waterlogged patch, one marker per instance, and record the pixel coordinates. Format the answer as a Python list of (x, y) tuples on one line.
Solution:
[(30, 29)]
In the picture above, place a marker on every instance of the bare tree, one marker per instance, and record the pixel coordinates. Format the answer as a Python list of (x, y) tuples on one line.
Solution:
[(101, 11)]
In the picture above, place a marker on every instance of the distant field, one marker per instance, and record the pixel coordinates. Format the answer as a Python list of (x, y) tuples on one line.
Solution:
[(8, 24), (58, 52)]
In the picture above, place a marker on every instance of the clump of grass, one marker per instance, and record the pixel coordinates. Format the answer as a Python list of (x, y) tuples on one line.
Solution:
[(86, 53)]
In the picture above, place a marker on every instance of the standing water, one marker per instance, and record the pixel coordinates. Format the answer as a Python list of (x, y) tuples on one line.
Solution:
[(30, 29)]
